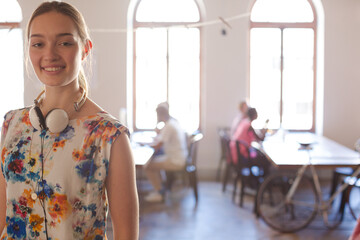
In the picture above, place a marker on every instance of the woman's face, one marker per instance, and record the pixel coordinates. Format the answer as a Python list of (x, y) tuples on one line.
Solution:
[(55, 49)]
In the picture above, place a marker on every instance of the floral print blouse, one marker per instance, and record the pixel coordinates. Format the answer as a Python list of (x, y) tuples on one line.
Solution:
[(69, 188)]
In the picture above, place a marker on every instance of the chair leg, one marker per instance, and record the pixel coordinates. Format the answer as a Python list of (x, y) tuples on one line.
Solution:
[(256, 212), (193, 184), (219, 169), (226, 176), (346, 192), (334, 183), (235, 187), (170, 177), (344, 199), (242, 192)]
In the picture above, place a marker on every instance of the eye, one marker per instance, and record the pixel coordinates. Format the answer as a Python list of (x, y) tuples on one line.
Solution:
[(37, 45), (66, 44)]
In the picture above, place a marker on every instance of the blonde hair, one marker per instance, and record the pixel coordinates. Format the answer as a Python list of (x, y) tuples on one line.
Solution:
[(81, 27)]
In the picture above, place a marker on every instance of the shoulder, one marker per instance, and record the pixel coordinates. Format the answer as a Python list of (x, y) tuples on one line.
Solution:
[(21, 114), (245, 122), (106, 127), (103, 121), (173, 123), (107, 120), (13, 118)]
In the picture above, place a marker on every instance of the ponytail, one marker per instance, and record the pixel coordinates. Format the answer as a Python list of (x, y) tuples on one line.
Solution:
[(83, 82)]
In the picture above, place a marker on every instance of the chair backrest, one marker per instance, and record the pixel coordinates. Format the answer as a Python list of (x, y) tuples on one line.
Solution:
[(223, 134), (256, 159), (225, 143), (194, 139)]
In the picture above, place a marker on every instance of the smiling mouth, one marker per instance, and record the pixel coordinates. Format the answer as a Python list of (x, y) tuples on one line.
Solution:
[(52, 69)]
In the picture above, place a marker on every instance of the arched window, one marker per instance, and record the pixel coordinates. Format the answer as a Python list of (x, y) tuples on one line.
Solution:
[(11, 57), (282, 63), (166, 55)]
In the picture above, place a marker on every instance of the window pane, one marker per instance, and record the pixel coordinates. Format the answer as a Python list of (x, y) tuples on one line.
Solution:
[(265, 75), (282, 11), (10, 11), (151, 68), (184, 75), (167, 11), (11, 70), (298, 78)]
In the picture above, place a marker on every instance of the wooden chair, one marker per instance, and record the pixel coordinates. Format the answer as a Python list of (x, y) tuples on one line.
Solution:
[(251, 171), (229, 167), (349, 199), (223, 132), (190, 168), (340, 173)]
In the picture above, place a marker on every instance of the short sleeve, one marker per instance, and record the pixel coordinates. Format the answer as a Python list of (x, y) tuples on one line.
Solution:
[(5, 126), (117, 131)]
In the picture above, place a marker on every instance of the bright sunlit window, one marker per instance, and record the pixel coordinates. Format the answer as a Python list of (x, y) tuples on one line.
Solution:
[(282, 11), (11, 57), (167, 11), (167, 62), (282, 56)]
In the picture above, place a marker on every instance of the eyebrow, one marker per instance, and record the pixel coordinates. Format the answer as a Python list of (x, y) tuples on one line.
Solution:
[(58, 35)]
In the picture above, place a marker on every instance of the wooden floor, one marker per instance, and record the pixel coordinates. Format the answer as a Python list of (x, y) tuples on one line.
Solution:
[(216, 217)]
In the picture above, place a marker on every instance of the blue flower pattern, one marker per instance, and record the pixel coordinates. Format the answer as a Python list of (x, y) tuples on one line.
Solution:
[(75, 163)]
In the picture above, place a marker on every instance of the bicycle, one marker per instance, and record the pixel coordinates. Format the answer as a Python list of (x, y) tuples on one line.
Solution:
[(289, 201)]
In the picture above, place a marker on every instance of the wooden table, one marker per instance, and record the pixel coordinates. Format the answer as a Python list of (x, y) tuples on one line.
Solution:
[(304, 195), (284, 150), (141, 154)]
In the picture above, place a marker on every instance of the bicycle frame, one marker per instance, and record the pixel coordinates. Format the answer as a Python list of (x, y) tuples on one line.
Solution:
[(324, 205)]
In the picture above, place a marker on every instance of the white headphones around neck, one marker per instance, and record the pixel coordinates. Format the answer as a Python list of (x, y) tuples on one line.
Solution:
[(55, 120)]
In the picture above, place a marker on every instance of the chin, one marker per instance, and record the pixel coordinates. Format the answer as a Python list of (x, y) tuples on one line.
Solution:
[(55, 82)]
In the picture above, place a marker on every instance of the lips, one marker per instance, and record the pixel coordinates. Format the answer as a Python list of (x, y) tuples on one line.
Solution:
[(53, 69)]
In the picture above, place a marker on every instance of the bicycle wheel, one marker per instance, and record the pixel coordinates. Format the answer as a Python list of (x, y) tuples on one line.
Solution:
[(354, 200), (280, 215)]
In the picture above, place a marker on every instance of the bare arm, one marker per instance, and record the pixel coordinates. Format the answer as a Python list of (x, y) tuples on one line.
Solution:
[(2, 202), (121, 191), (157, 146), (258, 136)]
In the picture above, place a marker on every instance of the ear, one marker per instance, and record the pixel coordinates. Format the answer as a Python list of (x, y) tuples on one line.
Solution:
[(88, 46)]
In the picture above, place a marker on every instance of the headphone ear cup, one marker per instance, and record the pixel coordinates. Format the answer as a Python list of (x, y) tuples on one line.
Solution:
[(57, 120), (37, 119)]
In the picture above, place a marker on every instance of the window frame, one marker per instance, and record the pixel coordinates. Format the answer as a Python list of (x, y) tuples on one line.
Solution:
[(284, 25), (136, 25), (9, 25)]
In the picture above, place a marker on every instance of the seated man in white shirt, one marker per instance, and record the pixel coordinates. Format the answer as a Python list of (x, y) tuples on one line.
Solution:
[(170, 152)]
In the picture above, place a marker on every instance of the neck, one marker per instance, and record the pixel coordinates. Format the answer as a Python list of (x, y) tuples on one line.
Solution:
[(61, 97)]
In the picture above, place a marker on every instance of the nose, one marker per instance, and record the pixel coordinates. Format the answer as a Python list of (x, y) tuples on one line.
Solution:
[(50, 53)]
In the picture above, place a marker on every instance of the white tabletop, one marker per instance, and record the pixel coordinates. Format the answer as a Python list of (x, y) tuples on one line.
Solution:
[(285, 150), (141, 154)]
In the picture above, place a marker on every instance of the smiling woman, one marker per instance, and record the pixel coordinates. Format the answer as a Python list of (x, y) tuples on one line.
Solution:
[(60, 175), (55, 49)]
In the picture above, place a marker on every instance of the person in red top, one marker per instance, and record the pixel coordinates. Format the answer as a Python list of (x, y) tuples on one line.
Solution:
[(246, 133)]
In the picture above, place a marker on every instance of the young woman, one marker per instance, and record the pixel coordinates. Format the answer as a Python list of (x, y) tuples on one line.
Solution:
[(246, 133), (64, 161)]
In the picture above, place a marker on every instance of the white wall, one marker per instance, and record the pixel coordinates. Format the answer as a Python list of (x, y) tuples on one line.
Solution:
[(342, 71), (225, 67)]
